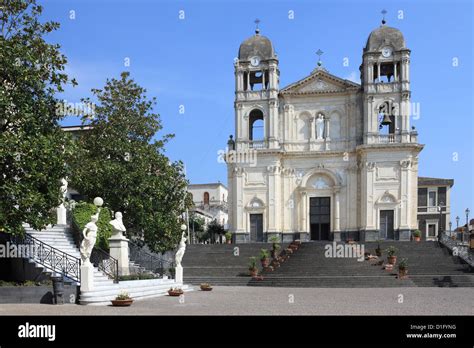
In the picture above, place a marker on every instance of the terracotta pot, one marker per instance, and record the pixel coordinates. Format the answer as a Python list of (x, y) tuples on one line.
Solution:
[(402, 273), (206, 288), (229, 241), (392, 260), (417, 239), (122, 303), (253, 272), (175, 293), (378, 252), (265, 263)]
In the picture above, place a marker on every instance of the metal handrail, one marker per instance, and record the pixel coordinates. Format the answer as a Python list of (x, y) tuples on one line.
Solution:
[(51, 258), (105, 263), (149, 261)]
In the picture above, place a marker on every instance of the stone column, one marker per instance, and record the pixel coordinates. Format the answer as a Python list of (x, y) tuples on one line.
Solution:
[(119, 250), (378, 72), (395, 71), (313, 128), (304, 212)]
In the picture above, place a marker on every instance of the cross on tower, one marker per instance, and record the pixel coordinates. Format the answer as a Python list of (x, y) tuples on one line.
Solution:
[(257, 21), (319, 53), (384, 12)]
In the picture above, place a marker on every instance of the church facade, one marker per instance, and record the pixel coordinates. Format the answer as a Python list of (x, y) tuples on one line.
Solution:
[(335, 160)]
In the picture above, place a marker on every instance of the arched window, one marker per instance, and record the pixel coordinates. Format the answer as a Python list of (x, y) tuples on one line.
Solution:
[(206, 197), (256, 125), (386, 109)]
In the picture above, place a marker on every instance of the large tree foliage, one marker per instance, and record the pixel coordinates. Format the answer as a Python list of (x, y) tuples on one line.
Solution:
[(121, 160), (32, 144)]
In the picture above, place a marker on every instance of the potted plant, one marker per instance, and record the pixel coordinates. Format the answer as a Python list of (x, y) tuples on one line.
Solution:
[(264, 257), (403, 269), (206, 287), (391, 255), (123, 299), (275, 246), (253, 266), (417, 235), (228, 238), (175, 292), (378, 250)]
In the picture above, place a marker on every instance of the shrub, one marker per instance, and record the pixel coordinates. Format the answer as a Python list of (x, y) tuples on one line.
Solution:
[(417, 233), (391, 251), (403, 264), (81, 215), (252, 263), (264, 254)]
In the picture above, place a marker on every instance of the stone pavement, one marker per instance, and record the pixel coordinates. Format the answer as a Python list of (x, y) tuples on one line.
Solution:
[(228, 300)]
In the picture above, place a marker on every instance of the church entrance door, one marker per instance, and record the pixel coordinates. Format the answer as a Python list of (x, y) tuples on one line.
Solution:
[(256, 227), (386, 224), (320, 217)]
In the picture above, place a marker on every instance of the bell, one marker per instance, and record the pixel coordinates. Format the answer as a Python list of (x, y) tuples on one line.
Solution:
[(386, 120)]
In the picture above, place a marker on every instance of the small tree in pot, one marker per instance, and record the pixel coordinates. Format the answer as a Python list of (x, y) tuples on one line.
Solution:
[(417, 235), (264, 257), (253, 266), (275, 246), (391, 255), (228, 238), (403, 269)]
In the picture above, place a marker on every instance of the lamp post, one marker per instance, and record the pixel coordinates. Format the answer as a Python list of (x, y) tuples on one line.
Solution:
[(457, 221), (467, 211), (440, 229), (450, 226)]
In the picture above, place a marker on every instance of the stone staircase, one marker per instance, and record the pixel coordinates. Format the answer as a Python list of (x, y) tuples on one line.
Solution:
[(220, 264), (428, 266), (105, 289)]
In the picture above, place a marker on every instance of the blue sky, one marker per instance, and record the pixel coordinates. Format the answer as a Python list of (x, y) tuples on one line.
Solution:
[(189, 62)]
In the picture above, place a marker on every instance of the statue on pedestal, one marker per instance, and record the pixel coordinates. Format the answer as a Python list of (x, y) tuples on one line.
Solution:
[(320, 126), (118, 227), (90, 237), (181, 249)]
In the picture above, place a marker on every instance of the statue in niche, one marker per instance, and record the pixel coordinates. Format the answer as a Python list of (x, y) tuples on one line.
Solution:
[(320, 126), (90, 237), (118, 227)]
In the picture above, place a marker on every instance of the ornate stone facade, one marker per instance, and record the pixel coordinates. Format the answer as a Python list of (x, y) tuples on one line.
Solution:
[(329, 164)]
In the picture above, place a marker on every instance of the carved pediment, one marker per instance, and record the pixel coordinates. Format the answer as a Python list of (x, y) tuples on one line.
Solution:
[(319, 82)]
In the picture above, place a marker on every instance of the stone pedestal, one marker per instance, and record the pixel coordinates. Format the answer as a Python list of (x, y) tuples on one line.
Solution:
[(119, 251), (61, 214), (178, 274), (87, 277)]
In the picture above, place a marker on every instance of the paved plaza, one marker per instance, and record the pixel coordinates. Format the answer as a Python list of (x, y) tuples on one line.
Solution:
[(280, 301)]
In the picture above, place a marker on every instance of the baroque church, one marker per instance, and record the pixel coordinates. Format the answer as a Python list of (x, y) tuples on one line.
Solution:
[(336, 160)]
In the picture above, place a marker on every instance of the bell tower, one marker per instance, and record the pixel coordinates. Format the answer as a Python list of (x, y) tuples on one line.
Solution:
[(256, 94), (386, 84)]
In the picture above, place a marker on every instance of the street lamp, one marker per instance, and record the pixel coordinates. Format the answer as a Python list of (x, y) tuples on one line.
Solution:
[(450, 226), (183, 229), (467, 211), (440, 230), (457, 221)]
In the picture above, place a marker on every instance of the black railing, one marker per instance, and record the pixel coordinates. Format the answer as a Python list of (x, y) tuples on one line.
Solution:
[(151, 262), (49, 257), (105, 263)]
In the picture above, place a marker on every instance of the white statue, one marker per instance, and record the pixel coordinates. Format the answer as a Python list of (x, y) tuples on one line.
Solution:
[(118, 227), (320, 126), (64, 187), (181, 249), (90, 237)]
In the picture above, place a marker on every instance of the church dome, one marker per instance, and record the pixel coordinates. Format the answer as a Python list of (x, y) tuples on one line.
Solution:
[(385, 36), (256, 45)]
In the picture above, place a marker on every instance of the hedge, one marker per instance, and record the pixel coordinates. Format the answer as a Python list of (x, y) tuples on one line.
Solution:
[(81, 215)]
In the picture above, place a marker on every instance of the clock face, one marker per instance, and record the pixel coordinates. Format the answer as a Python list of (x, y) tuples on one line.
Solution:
[(386, 52), (255, 61)]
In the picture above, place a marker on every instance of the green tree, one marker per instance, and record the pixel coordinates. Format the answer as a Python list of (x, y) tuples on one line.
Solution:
[(33, 147), (197, 226), (121, 160), (215, 230)]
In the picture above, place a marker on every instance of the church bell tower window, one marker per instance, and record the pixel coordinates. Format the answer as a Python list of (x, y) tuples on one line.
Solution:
[(256, 125)]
